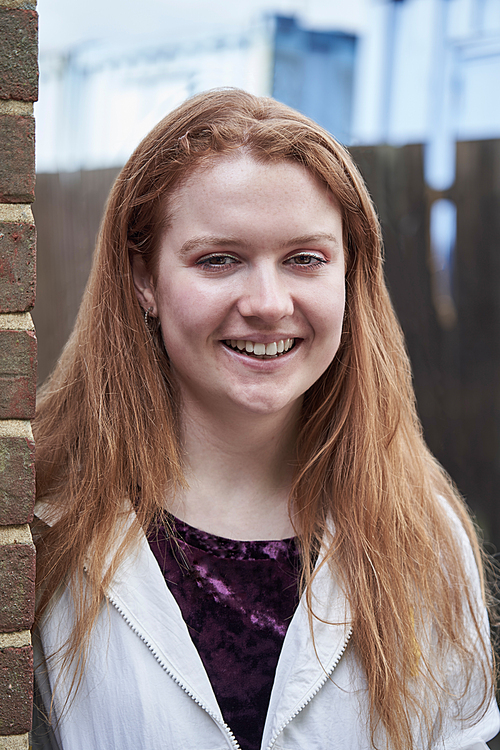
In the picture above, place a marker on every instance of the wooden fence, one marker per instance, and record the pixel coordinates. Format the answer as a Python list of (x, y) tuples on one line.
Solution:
[(456, 361)]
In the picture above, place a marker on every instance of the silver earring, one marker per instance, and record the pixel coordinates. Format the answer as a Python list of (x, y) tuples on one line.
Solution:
[(146, 316)]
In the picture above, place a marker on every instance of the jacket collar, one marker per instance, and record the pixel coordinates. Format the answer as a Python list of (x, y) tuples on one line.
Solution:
[(139, 593), (305, 664)]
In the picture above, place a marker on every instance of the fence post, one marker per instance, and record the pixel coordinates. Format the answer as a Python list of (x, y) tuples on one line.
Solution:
[(18, 91)]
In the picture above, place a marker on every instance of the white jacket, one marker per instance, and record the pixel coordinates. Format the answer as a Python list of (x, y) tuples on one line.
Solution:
[(145, 687)]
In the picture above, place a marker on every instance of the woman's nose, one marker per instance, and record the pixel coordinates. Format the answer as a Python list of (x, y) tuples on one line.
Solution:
[(266, 295)]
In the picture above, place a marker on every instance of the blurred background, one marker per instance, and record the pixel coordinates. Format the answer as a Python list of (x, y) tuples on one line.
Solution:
[(411, 87)]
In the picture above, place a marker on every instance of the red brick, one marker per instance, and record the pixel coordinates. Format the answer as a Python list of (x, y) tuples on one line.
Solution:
[(17, 481), (17, 587), (17, 374), (16, 690), (18, 54), (17, 159), (17, 266)]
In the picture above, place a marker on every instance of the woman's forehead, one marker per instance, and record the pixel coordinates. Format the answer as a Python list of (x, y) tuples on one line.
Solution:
[(211, 166)]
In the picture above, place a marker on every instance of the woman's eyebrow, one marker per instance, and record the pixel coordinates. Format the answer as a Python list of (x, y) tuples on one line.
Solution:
[(199, 243), (207, 241), (310, 239)]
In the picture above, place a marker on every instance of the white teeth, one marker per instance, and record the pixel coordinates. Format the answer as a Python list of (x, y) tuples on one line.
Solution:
[(261, 350)]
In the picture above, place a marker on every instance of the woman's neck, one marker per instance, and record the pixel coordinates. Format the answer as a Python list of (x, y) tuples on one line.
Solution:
[(239, 469)]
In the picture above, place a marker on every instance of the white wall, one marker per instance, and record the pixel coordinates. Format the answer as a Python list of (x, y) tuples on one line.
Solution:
[(110, 69)]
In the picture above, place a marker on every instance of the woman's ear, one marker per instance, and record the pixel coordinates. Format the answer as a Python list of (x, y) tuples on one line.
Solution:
[(143, 283)]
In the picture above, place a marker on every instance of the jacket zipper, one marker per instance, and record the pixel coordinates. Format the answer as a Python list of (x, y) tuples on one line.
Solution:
[(311, 696), (225, 728)]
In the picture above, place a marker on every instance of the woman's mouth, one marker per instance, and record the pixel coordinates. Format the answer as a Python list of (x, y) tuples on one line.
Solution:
[(261, 351)]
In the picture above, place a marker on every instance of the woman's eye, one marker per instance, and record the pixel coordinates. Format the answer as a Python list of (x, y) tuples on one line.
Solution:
[(216, 261), (307, 259)]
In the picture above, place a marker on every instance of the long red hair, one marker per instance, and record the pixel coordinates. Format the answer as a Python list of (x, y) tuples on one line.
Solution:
[(366, 489)]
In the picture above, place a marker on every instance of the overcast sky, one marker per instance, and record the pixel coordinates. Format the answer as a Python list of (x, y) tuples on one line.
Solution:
[(65, 24)]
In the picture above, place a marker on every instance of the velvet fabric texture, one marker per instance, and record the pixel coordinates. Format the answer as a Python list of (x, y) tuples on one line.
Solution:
[(237, 599)]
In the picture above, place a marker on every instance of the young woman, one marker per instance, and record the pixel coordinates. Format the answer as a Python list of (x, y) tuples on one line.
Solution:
[(243, 540)]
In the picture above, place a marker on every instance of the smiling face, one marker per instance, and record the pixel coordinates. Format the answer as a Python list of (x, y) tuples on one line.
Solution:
[(250, 285)]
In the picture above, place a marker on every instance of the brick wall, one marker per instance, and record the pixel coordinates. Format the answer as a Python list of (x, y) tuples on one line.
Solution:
[(18, 91)]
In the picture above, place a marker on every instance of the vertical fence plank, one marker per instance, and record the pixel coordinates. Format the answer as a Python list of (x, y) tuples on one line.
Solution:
[(456, 369), (477, 285), (68, 210)]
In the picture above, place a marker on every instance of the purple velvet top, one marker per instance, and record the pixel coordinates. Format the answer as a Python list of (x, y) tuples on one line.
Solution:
[(237, 599)]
